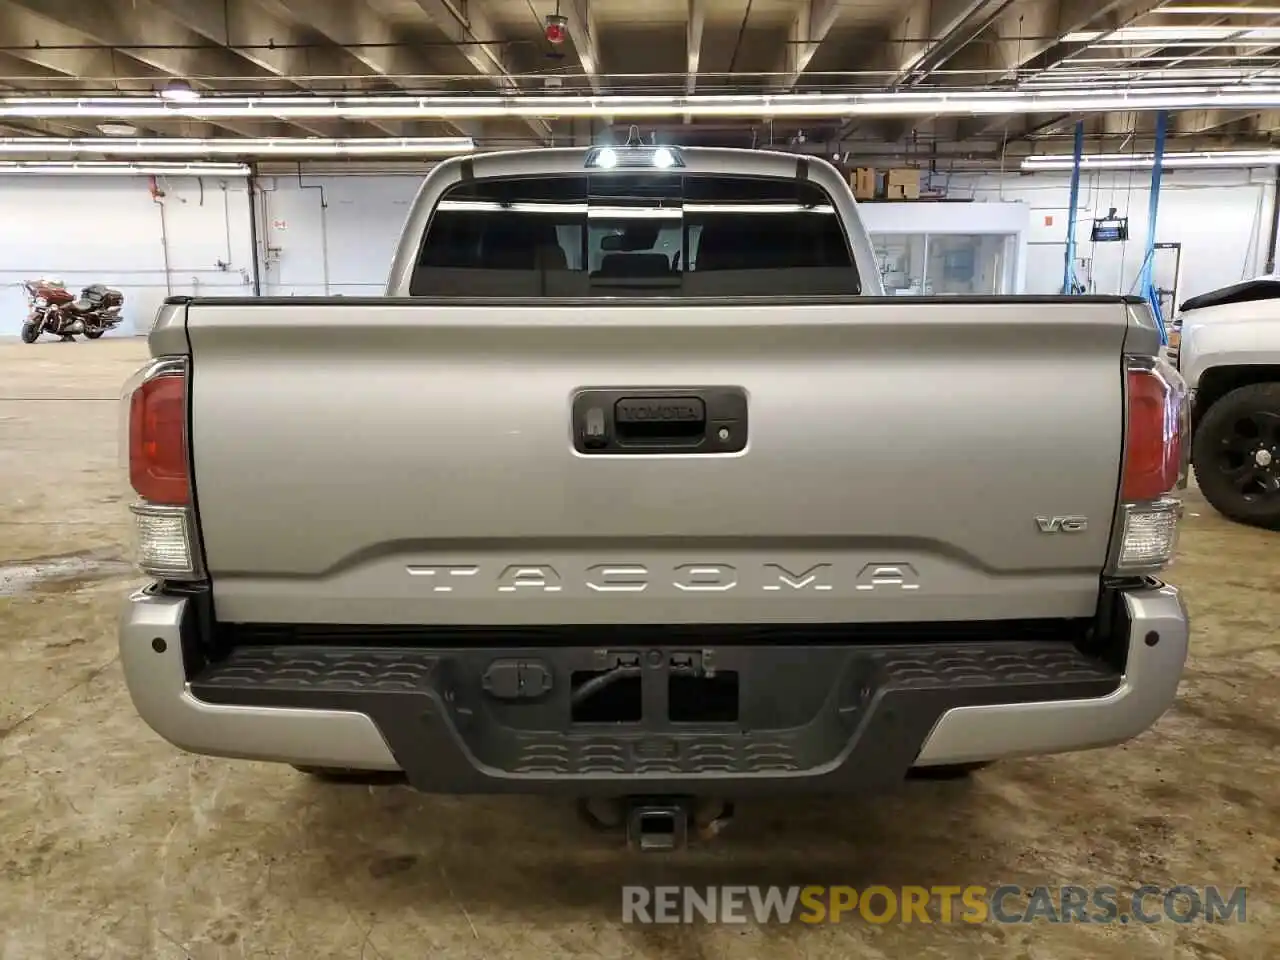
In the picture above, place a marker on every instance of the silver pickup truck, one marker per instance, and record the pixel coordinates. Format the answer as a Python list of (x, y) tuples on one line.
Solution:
[(635, 486)]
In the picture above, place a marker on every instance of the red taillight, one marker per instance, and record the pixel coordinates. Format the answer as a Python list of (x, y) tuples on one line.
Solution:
[(158, 440), (1156, 433)]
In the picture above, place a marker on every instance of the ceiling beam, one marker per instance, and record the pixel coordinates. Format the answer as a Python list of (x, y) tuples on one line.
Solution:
[(76, 68), (276, 46), (1225, 48), (694, 26), (923, 25), (29, 75), (1025, 31), (481, 44), (949, 25), (808, 29), (145, 34), (582, 31), (1119, 123), (68, 23), (270, 44), (374, 43), (1137, 64), (693, 43), (52, 46), (923, 37), (1192, 122), (1025, 40), (1266, 123), (1078, 15)]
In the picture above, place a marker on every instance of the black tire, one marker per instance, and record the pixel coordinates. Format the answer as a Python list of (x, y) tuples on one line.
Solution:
[(1232, 440), (94, 334), (30, 332)]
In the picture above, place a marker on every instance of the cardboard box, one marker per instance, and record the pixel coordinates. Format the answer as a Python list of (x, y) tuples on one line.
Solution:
[(863, 181), (902, 183)]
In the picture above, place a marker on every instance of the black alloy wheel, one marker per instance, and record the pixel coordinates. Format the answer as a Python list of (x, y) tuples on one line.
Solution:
[(1236, 454)]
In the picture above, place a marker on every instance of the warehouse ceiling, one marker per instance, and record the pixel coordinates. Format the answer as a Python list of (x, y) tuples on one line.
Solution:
[(330, 47)]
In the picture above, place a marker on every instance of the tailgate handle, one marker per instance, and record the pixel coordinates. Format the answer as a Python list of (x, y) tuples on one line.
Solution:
[(685, 421), (662, 421)]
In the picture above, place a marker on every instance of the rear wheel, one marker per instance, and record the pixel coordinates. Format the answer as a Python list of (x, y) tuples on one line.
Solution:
[(1236, 455), (94, 334)]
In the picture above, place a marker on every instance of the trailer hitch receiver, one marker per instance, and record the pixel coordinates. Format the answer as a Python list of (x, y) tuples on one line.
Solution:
[(657, 826)]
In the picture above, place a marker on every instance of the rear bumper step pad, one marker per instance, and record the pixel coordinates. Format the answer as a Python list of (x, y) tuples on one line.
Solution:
[(838, 715), (824, 718)]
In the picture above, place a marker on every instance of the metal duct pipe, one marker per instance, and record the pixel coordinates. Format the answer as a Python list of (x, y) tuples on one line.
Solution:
[(1275, 225)]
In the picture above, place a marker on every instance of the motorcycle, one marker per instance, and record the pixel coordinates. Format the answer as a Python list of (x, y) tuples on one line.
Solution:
[(55, 311), (96, 312), (45, 297)]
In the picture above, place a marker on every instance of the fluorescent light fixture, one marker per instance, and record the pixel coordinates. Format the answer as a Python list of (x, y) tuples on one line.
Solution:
[(1174, 45), (1222, 9), (180, 91), (1068, 79), (239, 146), (628, 213), (108, 168), (1080, 98), (118, 129), (1141, 35), (1220, 159)]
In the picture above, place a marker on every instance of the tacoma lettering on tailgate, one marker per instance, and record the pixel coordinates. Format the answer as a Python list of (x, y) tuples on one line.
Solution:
[(694, 577)]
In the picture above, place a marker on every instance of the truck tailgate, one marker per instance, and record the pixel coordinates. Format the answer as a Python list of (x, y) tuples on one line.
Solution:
[(400, 462)]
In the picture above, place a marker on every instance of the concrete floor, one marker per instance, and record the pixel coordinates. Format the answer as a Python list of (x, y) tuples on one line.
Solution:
[(113, 844)]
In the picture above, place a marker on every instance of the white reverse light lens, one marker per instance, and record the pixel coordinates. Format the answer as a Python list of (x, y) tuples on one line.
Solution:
[(663, 158), (1150, 535), (164, 547), (607, 159)]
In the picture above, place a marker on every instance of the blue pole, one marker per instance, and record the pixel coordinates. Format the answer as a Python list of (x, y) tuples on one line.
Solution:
[(1153, 208), (1069, 267)]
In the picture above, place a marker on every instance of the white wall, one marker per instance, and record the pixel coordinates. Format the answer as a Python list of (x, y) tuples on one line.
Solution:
[(1221, 218), (109, 230), (345, 248)]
